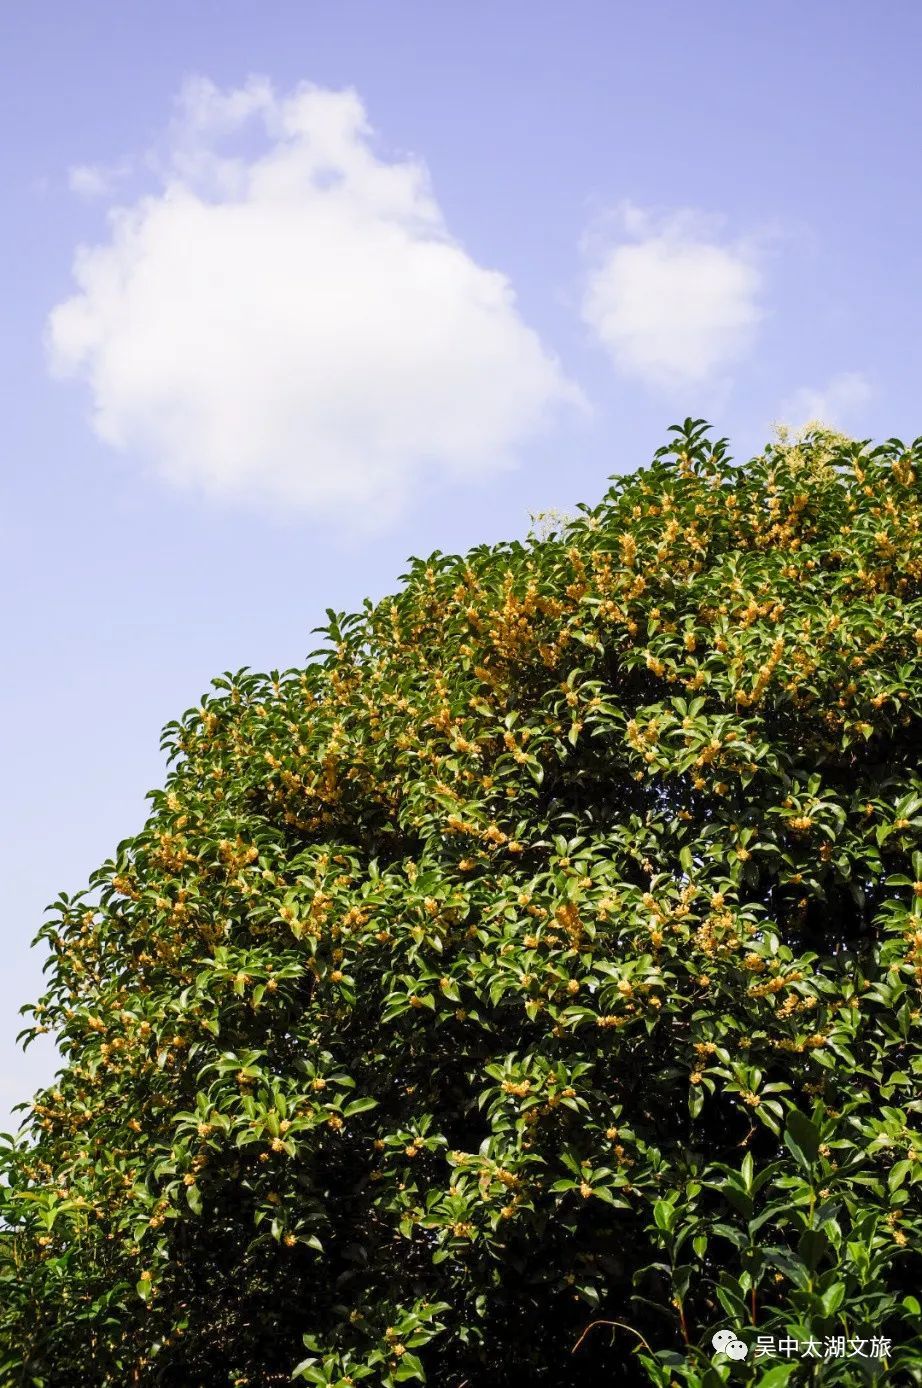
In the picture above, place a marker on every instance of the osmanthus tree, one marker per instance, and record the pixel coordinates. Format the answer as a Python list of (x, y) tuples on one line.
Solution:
[(525, 989)]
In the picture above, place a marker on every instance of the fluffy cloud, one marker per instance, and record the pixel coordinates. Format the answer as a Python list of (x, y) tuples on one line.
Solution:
[(95, 180), (288, 320), (837, 404), (672, 305)]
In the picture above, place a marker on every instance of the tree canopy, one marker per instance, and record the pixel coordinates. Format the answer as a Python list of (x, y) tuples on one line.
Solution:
[(526, 988)]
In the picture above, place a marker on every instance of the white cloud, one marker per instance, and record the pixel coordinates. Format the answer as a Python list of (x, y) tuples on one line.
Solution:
[(287, 319), (837, 404), (95, 180), (672, 305)]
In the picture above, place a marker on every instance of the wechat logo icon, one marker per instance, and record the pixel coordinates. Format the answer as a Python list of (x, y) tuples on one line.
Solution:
[(725, 1342)]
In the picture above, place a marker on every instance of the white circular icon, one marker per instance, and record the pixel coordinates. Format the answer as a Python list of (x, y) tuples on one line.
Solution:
[(725, 1342)]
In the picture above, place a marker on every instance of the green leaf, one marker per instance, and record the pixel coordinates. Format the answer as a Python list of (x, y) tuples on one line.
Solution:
[(359, 1106), (308, 1370), (778, 1375), (812, 1247), (832, 1298), (409, 1367), (664, 1215), (802, 1138)]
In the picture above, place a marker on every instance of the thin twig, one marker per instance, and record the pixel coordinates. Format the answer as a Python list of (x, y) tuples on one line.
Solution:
[(620, 1325)]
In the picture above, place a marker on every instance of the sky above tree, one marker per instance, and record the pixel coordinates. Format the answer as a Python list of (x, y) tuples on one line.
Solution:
[(293, 291)]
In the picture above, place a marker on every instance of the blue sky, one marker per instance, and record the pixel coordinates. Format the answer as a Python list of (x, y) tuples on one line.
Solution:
[(292, 291)]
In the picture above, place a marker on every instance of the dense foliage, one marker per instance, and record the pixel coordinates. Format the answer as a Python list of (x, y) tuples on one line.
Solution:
[(526, 988)]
